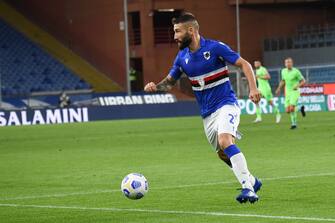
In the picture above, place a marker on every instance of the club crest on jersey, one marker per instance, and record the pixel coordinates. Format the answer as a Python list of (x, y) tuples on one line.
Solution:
[(207, 55), (186, 60)]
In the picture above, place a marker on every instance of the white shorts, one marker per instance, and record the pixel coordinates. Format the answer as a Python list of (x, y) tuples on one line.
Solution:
[(224, 120)]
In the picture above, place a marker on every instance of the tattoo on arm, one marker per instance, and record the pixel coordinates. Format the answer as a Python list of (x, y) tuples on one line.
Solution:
[(166, 84)]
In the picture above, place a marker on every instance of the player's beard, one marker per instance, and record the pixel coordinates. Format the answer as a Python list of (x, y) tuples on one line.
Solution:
[(185, 42)]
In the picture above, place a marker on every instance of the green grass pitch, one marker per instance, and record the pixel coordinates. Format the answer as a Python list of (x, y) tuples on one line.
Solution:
[(72, 173)]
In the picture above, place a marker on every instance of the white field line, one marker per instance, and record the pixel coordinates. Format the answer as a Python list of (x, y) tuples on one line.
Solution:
[(204, 213), (160, 188)]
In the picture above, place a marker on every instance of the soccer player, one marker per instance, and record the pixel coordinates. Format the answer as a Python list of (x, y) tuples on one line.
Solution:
[(204, 61), (292, 78), (263, 77)]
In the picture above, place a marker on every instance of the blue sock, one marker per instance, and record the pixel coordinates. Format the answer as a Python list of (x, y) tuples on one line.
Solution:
[(231, 150)]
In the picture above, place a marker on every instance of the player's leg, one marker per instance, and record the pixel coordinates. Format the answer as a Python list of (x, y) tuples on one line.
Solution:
[(258, 114), (293, 109), (303, 111), (269, 98), (228, 119), (275, 111), (288, 109), (210, 127), (293, 117), (224, 157), (258, 111), (237, 159)]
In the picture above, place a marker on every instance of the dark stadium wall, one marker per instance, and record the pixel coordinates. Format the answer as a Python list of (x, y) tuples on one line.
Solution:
[(217, 21), (91, 28), (158, 58)]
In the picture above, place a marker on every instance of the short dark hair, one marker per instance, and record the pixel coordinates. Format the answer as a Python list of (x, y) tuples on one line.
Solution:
[(183, 18)]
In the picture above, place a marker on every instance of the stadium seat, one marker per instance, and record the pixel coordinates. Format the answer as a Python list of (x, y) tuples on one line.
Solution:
[(322, 75), (306, 36)]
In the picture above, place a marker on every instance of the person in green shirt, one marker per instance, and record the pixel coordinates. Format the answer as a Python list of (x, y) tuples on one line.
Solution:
[(263, 77), (292, 78)]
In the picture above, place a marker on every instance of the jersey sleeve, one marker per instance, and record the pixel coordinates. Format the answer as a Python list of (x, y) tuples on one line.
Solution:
[(282, 75), (262, 72), (299, 75), (176, 70), (226, 53)]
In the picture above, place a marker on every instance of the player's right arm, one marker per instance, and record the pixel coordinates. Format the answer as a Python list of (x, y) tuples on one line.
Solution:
[(169, 81), (164, 85), (281, 84)]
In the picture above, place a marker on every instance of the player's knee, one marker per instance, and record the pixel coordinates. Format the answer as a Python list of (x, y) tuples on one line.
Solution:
[(225, 140)]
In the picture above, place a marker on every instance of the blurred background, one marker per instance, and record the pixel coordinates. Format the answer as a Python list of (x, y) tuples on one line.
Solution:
[(68, 53)]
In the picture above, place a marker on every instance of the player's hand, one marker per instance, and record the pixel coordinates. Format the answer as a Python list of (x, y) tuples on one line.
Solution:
[(255, 95), (150, 87), (278, 92)]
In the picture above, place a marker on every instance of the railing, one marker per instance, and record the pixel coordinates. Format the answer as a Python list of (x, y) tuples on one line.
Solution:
[(134, 37), (36, 100), (161, 35)]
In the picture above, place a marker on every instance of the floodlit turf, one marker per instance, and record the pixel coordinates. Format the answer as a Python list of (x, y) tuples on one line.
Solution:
[(72, 173)]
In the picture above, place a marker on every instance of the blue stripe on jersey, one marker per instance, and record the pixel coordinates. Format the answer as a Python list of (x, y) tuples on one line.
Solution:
[(211, 56)]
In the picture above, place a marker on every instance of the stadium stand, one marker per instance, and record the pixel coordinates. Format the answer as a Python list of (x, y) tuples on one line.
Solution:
[(27, 68), (99, 81), (322, 75), (307, 41), (306, 36)]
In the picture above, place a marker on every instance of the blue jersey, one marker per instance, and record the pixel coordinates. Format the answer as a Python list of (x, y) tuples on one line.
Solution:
[(208, 72)]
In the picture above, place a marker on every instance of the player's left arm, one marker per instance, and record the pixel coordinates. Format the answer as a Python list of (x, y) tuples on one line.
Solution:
[(300, 84), (224, 51), (254, 94), (301, 81)]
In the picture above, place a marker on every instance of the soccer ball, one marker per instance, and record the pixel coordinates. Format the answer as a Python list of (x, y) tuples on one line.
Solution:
[(134, 186)]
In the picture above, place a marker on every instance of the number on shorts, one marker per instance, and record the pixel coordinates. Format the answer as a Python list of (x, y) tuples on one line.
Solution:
[(231, 118)]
